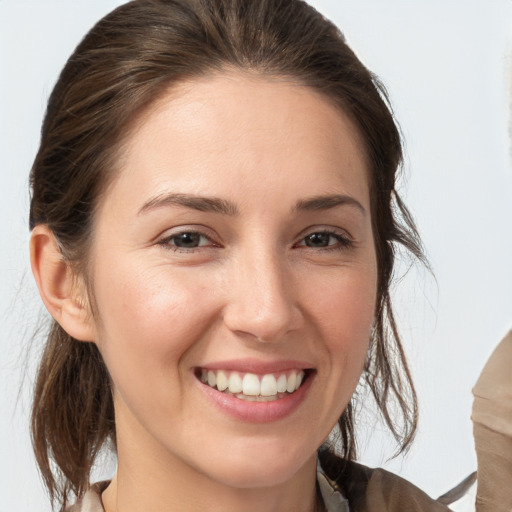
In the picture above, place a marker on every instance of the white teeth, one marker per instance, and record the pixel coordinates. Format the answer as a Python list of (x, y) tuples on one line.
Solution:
[(251, 385), (281, 383), (291, 382), (235, 383), (222, 381), (268, 385), (212, 379)]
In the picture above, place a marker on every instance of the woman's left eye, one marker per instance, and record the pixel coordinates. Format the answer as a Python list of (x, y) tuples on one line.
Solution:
[(325, 240), (186, 240)]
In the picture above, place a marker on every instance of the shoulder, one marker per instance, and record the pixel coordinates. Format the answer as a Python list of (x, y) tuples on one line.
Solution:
[(377, 490)]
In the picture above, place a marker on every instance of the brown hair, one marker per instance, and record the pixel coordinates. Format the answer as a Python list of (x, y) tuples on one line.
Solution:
[(124, 64)]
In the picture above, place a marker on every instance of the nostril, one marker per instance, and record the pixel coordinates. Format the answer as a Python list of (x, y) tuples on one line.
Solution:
[(262, 311)]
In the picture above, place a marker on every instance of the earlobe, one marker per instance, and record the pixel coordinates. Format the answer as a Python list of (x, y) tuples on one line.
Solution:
[(57, 286)]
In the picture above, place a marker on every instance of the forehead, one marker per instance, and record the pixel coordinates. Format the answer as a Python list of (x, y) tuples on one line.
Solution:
[(247, 131)]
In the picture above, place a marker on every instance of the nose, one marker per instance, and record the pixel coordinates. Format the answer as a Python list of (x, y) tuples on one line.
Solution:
[(261, 300)]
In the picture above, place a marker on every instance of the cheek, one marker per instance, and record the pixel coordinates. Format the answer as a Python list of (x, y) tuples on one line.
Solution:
[(149, 318), (149, 322), (344, 305), (344, 313)]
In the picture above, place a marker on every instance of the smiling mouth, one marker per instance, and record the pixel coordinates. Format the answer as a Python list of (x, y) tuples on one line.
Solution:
[(253, 387)]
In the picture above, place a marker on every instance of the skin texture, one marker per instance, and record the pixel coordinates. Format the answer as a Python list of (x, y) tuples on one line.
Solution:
[(252, 289)]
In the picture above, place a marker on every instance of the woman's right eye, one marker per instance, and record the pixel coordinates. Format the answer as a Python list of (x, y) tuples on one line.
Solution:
[(186, 240)]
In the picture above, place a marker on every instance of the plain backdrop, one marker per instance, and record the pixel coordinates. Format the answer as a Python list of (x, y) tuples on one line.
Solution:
[(446, 64)]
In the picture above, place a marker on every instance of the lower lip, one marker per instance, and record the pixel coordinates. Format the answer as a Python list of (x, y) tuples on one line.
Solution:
[(258, 412)]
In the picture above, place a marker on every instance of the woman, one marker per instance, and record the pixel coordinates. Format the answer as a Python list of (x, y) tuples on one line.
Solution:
[(214, 221)]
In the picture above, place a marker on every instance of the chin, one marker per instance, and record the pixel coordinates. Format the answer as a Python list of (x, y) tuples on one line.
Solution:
[(263, 466)]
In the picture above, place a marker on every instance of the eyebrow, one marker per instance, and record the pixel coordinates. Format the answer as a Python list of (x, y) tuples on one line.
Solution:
[(225, 207), (203, 204), (326, 202)]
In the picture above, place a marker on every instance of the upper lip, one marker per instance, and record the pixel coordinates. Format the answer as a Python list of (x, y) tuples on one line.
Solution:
[(257, 366)]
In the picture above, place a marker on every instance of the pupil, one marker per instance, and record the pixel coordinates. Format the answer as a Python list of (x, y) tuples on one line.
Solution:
[(187, 240), (318, 240)]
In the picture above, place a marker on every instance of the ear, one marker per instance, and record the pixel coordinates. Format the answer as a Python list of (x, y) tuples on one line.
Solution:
[(58, 286)]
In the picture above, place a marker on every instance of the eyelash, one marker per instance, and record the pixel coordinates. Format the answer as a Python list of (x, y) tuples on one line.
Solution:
[(167, 241), (343, 242)]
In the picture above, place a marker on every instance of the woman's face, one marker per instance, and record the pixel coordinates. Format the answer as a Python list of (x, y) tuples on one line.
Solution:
[(236, 248)]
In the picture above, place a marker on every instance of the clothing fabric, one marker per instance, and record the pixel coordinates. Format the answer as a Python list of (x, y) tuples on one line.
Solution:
[(376, 490), (492, 428), (91, 501), (344, 487)]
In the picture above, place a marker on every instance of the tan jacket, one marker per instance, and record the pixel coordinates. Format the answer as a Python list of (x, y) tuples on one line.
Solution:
[(492, 428), (378, 490)]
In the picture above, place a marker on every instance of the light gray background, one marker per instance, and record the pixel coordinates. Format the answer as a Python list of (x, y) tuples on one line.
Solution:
[(446, 64)]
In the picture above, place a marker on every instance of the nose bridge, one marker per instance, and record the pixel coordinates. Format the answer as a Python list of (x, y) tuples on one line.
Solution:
[(261, 299)]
